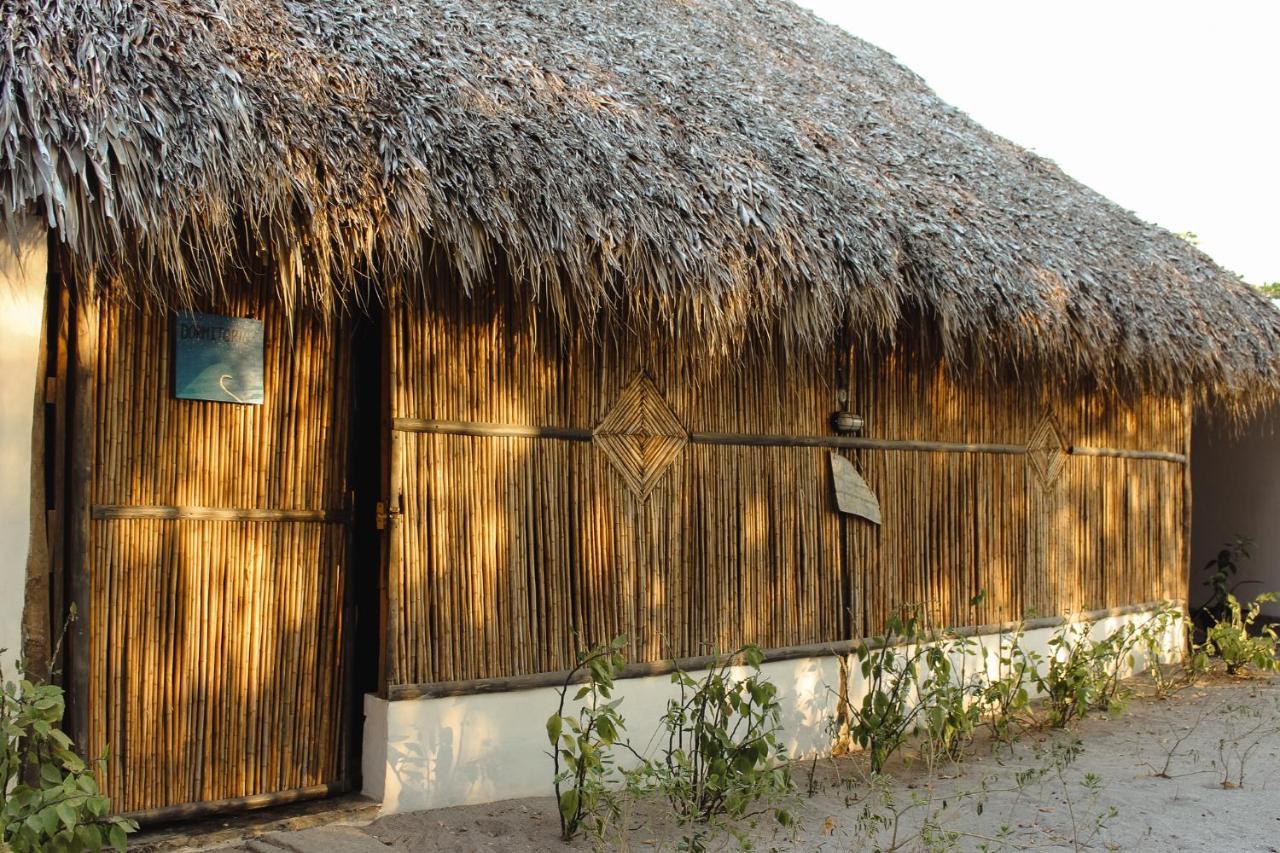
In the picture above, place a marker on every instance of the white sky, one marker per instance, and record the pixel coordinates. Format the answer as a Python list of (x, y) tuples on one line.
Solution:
[(1170, 109)]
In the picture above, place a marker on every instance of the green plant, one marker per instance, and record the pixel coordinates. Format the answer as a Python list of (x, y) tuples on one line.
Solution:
[(1005, 697), (1118, 654), (1172, 750), (1224, 568), (1071, 681), (1247, 727), (581, 743), (49, 800), (888, 821), (933, 815), (948, 698), (1085, 674), (886, 715), (1082, 833), (722, 758), (1238, 642), (913, 686), (1154, 635)]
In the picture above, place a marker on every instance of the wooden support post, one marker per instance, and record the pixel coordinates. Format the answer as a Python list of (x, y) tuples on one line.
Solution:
[(389, 514), (39, 631), (849, 624), (79, 542), (1188, 416), (60, 303)]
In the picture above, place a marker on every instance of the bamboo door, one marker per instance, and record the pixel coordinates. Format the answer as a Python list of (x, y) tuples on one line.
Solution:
[(209, 544)]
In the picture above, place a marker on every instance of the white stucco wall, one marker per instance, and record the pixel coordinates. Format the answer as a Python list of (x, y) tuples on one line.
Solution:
[(434, 753), (1235, 489), (22, 305)]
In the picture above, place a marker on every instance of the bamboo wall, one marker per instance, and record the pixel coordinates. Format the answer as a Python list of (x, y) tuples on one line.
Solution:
[(214, 659), (1107, 533), (513, 550), (511, 545)]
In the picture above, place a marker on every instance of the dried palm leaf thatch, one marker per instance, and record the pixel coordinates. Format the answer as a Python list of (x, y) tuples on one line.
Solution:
[(716, 168)]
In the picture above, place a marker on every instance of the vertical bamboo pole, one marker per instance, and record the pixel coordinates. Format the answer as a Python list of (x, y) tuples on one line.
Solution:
[(83, 442), (393, 572)]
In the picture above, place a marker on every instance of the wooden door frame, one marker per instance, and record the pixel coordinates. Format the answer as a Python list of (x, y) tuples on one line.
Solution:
[(80, 445), (365, 585), (43, 603), (389, 508)]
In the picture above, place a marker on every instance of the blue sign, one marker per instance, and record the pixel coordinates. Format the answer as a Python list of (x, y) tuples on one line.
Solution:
[(217, 358)]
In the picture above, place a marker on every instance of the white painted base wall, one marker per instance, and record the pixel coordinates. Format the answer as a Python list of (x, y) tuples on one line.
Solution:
[(22, 303), (434, 753)]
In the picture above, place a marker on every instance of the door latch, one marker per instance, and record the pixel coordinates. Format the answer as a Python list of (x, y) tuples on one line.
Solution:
[(384, 515)]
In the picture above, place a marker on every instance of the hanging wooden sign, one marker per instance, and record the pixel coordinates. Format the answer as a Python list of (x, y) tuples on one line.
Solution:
[(217, 358), (853, 495)]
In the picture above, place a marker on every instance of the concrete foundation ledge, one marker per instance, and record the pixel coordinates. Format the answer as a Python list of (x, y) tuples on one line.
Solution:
[(431, 752)]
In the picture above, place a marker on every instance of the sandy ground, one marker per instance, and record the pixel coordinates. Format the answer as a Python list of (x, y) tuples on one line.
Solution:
[(1152, 779)]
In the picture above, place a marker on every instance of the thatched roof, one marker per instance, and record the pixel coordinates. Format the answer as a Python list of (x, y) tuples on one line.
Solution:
[(723, 166)]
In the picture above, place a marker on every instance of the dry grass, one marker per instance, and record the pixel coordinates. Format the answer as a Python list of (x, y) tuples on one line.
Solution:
[(709, 168)]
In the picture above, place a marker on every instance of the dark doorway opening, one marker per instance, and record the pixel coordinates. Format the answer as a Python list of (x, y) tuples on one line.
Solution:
[(365, 564)]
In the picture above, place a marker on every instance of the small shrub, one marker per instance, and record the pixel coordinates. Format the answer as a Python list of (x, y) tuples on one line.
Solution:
[(1071, 681), (722, 759), (913, 687), (581, 743), (49, 800), (881, 722), (1086, 825), (1154, 632), (1224, 568), (948, 697), (928, 816), (1247, 727), (1085, 674), (1005, 697), (1236, 640)]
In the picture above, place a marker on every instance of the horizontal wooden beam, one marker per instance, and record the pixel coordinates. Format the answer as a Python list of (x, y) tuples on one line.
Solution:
[(485, 430), (1158, 455), (743, 439), (192, 811), (442, 689), (739, 439), (110, 512)]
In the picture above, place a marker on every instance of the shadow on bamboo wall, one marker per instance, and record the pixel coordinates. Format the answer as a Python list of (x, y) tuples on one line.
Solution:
[(1105, 531), (517, 548)]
